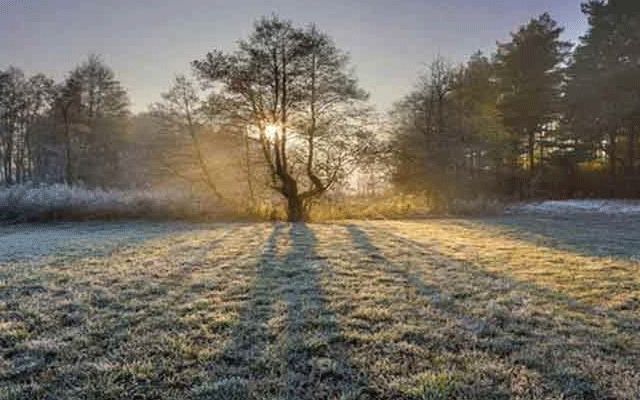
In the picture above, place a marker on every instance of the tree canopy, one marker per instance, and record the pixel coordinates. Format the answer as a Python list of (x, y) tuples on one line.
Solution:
[(292, 87)]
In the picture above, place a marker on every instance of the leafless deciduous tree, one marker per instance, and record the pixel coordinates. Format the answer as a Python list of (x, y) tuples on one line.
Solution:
[(91, 108), (181, 113), (23, 103), (292, 86)]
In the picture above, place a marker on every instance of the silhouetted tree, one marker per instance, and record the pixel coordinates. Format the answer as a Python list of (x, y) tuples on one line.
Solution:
[(424, 132), (180, 113), (448, 129), (291, 86), (101, 106), (66, 112), (475, 91), (530, 81), (604, 87), (22, 103)]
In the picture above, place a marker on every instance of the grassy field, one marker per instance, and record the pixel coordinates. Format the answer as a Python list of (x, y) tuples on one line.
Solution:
[(511, 307)]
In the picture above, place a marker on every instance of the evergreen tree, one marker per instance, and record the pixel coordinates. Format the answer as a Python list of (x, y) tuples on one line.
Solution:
[(604, 89), (530, 82)]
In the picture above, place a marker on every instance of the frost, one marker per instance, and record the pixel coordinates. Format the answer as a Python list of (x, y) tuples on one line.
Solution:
[(30, 242), (51, 202), (613, 207)]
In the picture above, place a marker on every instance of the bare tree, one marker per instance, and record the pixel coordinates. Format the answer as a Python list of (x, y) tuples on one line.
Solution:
[(290, 85), (425, 130), (98, 104), (66, 111), (180, 113), (22, 102)]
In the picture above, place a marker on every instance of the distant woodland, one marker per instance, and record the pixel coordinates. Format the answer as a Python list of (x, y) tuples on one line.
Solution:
[(284, 118)]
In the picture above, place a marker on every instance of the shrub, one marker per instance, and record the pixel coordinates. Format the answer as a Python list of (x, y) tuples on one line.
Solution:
[(27, 203)]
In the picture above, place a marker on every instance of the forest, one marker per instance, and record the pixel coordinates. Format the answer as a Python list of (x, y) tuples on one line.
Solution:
[(283, 123)]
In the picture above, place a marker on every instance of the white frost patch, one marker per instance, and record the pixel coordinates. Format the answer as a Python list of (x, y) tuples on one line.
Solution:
[(582, 206)]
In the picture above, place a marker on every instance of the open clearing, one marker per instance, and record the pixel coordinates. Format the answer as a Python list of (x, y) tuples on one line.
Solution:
[(524, 306)]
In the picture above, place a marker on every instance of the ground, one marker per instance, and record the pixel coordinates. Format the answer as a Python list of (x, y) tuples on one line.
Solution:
[(524, 306)]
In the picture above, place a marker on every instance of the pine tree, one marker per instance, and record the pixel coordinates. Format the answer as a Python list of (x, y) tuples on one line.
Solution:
[(530, 81)]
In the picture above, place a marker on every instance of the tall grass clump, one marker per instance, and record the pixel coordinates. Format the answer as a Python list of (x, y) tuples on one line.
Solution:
[(475, 207), (402, 205), (28, 203), (374, 207)]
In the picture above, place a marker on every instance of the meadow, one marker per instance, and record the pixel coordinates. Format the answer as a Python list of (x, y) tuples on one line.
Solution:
[(521, 306)]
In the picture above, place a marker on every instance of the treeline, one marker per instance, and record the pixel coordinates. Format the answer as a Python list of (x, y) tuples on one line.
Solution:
[(80, 132), (534, 119), (538, 118), (70, 132)]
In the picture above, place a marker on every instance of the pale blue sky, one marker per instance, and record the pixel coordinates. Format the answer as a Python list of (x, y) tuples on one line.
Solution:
[(147, 42)]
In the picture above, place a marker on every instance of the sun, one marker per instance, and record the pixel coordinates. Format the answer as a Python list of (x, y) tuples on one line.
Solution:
[(271, 131)]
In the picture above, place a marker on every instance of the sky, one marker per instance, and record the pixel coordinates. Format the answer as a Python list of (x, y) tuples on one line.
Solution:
[(148, 42)]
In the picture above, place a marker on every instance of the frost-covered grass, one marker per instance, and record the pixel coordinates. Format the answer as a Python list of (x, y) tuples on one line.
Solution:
[(602, 206), (603, 228), (595, 234), (36, 242), (431, 309), (59, 202)]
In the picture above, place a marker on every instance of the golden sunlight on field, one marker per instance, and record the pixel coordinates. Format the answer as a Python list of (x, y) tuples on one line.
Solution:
[(441, 308)]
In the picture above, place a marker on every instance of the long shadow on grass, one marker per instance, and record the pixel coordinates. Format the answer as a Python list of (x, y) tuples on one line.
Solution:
[(621, 325), (93, 311), (315, 363), (246, 359), (75, 241), (284, 345), (521, 340), (590, 234)]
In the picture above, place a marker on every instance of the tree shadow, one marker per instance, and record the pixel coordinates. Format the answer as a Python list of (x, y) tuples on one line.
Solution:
[(621, 324), (503, 332), (315, 357), (252, 335), (286, 344), (40, 244), (589, 234), (92, 308)]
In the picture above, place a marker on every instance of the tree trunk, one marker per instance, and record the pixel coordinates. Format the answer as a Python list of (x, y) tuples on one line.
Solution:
[(9, 160), (611, 154), (631, 147), (295, 206), (295, 209), (5, 169), (532, 143), (541, 152), (636, 171), (252, 197), (67, 139)]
